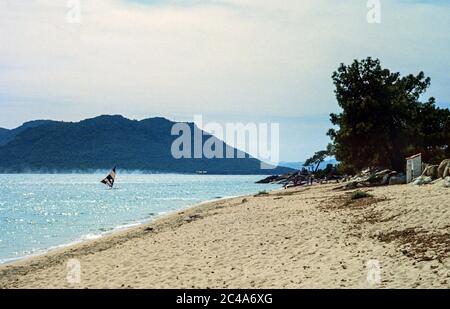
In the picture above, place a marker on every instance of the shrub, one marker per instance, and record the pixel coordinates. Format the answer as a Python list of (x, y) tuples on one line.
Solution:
[(360, 194)]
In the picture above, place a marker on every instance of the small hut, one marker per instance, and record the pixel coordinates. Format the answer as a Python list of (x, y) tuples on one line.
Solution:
[(413, 167)]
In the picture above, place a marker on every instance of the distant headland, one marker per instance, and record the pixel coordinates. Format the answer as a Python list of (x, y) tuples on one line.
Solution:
[(109, 140)]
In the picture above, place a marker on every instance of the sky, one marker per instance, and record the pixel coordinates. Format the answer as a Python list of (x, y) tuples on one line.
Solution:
[(250, 61)]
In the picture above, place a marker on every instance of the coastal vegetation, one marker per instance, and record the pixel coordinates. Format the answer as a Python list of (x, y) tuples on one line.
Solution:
[(383, 119), (319, 157), (358, 194)]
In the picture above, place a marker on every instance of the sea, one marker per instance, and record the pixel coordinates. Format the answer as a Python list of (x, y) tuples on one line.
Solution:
[(40, 212)]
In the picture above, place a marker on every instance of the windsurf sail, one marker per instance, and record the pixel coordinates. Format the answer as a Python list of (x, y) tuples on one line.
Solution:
[(109, 180)]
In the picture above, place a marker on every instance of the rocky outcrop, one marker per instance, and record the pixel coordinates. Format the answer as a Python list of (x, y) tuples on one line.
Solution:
[(278, 179), (269, 179), (397, 180), (374, 177)]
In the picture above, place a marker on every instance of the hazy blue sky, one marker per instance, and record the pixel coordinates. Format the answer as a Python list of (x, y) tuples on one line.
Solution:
[(229, 60)]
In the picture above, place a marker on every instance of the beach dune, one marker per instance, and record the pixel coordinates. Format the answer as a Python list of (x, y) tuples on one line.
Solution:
[(313, 237)]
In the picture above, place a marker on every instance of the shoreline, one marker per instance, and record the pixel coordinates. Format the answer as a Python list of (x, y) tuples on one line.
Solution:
[(82, 246), (297, 238), (86, 238)]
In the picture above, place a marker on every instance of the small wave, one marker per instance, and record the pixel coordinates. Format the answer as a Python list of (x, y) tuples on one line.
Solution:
[(40, 252), (176, 198), (109, 230), (9, 260), (90, 237), (126, 226), (218, 199)]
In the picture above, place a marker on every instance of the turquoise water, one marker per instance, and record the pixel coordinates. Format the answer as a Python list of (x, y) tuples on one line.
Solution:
[(43, 211)]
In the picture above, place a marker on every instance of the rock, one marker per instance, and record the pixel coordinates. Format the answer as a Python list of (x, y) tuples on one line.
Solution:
[(383, 172), (431, 171), (446, 172), (279, 179), (269, 179), (385, 180), (381, 177), (397, 180), (445, 165), (192, 218), (351, 185), (447, 182), (422, 180)]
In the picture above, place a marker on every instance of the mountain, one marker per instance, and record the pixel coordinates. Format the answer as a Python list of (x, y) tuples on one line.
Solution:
[(8, 135), (105, 141)]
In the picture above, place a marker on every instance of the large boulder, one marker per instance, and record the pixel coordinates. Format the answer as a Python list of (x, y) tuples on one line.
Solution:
[(397, 180), (443, 168), (446, 172), (422, 180), (431, 171)]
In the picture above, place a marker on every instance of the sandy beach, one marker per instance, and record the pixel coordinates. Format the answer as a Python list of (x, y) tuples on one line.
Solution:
[(313, 237)]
